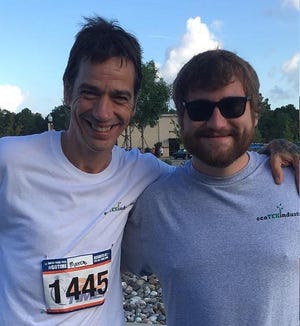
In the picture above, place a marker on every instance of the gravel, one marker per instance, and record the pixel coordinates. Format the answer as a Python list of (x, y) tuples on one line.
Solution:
[(143, 299)]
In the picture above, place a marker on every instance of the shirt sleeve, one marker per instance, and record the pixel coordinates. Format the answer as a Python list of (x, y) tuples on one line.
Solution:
[(134, 257)]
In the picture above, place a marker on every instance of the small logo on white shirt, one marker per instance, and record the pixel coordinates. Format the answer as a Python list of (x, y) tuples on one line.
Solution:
[(118, 207)]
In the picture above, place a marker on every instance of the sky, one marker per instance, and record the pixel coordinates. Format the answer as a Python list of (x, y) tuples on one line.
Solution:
[(37, 35)]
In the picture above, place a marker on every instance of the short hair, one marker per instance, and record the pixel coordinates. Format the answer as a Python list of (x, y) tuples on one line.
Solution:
[(211, 70), (98, 41)]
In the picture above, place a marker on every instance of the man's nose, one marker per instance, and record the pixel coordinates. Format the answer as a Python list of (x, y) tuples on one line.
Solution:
[(216, 120), (102, 108)]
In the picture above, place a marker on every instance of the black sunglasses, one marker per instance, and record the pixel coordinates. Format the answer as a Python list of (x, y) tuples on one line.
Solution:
[(230, 107)]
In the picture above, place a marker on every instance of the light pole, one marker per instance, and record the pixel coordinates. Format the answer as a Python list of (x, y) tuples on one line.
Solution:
[(50, 122)]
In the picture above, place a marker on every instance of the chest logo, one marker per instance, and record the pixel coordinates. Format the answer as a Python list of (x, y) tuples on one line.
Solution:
[(279, 213), (118, 207)]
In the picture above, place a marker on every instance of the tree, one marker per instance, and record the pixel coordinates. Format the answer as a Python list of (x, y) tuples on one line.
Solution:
[(152, 101), (286, 122), (61, 117), (27, 123), (262, 132), (282, 122), (7, 119)]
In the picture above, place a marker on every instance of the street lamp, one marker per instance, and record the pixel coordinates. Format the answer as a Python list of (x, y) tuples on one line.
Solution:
[(50, 122)]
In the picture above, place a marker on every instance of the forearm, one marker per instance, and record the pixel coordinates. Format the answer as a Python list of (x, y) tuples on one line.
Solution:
[(280, 146)]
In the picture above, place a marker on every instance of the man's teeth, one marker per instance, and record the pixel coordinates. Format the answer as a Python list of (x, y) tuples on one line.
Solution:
[(101, 128)]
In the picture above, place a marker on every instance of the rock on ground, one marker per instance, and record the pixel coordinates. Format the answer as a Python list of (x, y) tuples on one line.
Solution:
[(143, 299)]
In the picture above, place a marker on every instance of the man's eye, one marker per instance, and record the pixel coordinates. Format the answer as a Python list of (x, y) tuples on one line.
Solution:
[(89, 95), (121, 99)]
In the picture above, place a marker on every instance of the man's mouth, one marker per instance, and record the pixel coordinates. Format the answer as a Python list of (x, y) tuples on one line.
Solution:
[(214, 134), (100, 129)]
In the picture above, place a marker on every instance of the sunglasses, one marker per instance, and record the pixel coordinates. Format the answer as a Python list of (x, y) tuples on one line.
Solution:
[(230, 107)]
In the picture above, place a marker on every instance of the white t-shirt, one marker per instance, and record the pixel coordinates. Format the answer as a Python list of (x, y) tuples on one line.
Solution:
[(61, 232)]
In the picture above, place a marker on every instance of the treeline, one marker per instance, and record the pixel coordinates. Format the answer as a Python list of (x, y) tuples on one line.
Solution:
[(279, 123), (27, 122), (282, 122)]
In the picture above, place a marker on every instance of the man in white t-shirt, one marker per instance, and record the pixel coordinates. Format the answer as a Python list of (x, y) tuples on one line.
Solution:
[(65, 196)]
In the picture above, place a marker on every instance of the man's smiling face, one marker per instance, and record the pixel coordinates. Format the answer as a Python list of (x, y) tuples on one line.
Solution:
[(102, 103), (219, 142)]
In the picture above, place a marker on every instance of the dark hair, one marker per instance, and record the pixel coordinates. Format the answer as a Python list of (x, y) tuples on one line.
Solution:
[(98, 41), (212, 70)]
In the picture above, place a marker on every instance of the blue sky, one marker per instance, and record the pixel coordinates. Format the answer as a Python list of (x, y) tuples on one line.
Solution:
[(36, 37)]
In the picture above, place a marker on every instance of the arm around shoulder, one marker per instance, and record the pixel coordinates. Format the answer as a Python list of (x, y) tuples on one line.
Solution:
[(283, 153)]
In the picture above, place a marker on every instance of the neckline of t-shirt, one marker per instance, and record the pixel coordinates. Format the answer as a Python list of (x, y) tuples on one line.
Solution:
[(63, 162), (220, 181)]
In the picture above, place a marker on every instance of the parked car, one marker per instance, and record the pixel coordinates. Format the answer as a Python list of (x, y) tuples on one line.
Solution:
[(182, 153), (255, 147)]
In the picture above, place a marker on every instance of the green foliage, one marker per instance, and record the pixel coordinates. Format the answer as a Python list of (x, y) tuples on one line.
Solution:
[(6, 123), (153, 98), (22, 123), (61, 117), (279, 123), (27, 123)]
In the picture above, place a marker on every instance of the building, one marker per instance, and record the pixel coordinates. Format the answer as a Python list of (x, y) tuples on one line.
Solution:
[(165, 132)]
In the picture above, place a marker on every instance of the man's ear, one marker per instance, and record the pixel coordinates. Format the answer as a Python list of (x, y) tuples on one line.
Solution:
[(255, 118)]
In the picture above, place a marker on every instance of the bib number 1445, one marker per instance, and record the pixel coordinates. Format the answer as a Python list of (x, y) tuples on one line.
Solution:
[(74, 283), (75, 290)]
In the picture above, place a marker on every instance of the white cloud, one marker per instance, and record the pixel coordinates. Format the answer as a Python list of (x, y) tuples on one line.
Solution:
[(11, 97), (291, 65), (294, 4), (290, 70), (288, 84), (196, 39)]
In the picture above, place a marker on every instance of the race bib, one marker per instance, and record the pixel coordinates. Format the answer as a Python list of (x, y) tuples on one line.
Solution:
[(76, 282)]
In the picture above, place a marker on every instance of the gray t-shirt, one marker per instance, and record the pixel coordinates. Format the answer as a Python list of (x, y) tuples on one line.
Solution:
[(226, 250)]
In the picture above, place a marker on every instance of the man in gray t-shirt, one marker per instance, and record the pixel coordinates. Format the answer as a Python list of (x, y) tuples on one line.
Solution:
[(223, 239)]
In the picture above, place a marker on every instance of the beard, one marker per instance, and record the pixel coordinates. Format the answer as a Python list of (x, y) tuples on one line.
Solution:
[(215, 154)]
